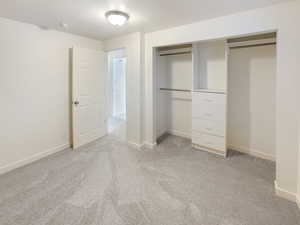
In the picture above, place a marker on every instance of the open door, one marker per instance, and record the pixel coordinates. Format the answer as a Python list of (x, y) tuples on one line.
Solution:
[(88, 96)]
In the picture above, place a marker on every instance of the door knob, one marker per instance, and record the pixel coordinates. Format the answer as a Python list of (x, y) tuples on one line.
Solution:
[(76, 103)]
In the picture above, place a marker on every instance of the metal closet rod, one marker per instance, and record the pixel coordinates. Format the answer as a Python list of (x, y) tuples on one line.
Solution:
[(173, 89), (253, 45), (175, 53)]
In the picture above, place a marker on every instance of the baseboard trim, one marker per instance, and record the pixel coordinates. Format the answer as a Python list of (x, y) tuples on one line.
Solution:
[(134, 145), (179, 133), (33, 158), (149, 145), (252, 152), (298, 202), (280, 192), (209, 150)]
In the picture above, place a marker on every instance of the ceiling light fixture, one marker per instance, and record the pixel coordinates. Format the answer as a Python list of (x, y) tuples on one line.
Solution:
[(117, 18)]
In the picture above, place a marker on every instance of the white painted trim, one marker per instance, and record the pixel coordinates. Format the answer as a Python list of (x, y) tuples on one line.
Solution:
[(134, 145), (280, 192), (149, 145), (179, 134), (298, 201), (253, 152), (33, 158), (213, 151)]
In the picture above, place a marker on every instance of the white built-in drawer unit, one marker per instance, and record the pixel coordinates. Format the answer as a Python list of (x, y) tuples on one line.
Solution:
[(209, 106), (209, 126), (208, 112), (209, 98), (209, 120), (209, 141)]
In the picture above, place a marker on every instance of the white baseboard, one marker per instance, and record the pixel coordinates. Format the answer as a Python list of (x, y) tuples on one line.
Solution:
[(280, 192), (134, 145), (149, 145), (32, 158), (253, 152), (213, 151), (179, 133), (298, 201)]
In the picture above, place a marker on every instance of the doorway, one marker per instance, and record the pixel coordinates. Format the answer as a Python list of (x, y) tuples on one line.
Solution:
[(117, 64)]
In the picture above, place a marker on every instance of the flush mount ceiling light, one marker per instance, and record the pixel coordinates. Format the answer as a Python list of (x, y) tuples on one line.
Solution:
[(117, 18)]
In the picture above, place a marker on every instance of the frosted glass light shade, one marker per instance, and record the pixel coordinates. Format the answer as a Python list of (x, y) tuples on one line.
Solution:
[(117, 18)]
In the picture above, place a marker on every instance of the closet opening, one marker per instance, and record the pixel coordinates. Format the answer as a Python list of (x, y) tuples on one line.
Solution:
[(251, 107), (220, 94), (116, 101), (174, 84)]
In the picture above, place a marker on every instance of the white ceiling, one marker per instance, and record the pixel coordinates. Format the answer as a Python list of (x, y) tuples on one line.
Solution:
[(86, 17)]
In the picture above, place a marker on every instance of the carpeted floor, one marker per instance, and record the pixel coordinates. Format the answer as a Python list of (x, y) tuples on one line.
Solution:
[(109, 183)]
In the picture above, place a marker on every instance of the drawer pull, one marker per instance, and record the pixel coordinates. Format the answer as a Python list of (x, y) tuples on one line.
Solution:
[(208, 100), (209, 129), (208, 114)]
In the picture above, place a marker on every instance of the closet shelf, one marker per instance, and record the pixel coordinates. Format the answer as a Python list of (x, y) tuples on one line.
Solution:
[(216, 91)]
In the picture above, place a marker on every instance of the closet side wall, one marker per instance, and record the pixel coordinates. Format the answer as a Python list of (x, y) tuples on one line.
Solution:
[(251, 100), (163, 97)]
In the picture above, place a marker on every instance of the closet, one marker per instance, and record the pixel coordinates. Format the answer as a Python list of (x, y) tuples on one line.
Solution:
[(251, 122), (191, 93), (218, 93), (174, 84)]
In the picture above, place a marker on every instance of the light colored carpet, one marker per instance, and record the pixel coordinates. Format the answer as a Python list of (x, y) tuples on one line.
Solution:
[(109, 183)]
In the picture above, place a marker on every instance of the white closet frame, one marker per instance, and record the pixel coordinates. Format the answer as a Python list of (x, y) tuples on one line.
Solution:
[(209, 116)]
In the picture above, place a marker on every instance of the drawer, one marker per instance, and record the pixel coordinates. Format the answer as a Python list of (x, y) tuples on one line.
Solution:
[(209, 111), (209, 141), (209, 126), (208, 98)]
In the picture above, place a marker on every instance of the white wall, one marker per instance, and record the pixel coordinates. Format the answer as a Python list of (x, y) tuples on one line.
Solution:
[(212, 66), (281, 17), (34, 91), (174, 108), (133, 45), (298, 188), (252, 100), (163, 101)]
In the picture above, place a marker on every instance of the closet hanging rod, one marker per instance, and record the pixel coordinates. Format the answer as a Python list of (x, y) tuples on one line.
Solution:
[(253, 45), (173, 89), (175, 53)]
